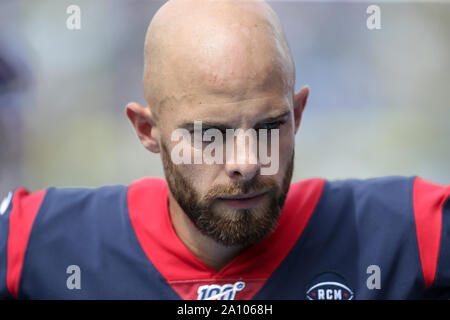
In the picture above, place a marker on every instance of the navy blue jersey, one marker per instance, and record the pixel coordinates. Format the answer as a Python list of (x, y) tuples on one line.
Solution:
[(383, 238)]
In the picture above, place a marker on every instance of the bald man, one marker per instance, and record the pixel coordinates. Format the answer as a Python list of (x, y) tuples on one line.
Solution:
[(226, 223)]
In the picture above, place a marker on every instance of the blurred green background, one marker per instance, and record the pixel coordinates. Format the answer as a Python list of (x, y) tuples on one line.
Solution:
[(379, 103)]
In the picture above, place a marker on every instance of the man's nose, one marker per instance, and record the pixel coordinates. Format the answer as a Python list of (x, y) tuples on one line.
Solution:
[(242, 161), (242, 172)]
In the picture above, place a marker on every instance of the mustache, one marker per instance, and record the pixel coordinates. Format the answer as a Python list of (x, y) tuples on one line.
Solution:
[(229, 190)]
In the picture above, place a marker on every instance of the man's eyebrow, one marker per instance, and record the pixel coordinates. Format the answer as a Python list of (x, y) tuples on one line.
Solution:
[(275, 117), (223, 126), (205, 125)]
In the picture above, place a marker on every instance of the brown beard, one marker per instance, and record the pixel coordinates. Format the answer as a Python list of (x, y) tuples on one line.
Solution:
[(229, 227)]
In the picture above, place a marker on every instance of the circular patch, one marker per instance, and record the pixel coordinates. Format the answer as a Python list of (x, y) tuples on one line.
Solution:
[(329, 286)]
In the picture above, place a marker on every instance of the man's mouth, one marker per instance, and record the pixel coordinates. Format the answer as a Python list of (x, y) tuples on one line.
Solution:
[(244, 201)]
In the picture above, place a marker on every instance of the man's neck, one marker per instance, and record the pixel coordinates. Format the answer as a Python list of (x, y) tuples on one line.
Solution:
[(206, 249)]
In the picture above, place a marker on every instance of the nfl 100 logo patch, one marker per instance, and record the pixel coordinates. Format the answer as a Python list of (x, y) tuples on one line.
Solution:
[(329, 286), (217, 289), (220, 292)]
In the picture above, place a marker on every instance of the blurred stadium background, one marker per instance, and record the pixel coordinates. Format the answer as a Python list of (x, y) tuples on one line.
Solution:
[(379, 103)]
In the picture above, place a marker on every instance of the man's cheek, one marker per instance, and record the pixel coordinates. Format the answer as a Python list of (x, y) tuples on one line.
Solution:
[(198, 175)]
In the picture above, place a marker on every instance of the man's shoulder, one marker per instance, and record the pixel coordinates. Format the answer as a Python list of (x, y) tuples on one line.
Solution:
[(76, 194), (390, 195), (354, 184), (391, 199), (24, 202), (398, 191), (358, 188), (380, 189)]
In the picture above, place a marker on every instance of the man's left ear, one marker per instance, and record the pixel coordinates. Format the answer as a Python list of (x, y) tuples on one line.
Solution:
[(300, 99)]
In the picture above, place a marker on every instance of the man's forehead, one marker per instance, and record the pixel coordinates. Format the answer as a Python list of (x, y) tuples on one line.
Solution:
[(230, 49), (227, 57)]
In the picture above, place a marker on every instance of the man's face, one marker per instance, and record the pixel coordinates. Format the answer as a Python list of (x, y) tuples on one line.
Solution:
[(231, 71), (233, 203)]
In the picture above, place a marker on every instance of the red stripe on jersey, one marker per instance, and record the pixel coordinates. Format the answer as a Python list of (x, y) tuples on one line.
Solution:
[(149, 214), (428, 202), (25, 206)]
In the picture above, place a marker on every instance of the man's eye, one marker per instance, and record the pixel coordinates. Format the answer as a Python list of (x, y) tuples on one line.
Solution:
[(204, 134), (205, 131), (271, 125)]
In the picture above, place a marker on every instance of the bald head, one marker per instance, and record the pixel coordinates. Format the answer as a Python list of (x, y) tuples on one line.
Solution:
[(217, 47), (220, 64)]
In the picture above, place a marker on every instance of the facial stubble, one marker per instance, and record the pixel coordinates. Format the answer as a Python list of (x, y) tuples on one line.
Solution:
[(229, 227)]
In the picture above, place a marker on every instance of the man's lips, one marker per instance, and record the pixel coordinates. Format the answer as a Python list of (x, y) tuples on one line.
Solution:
[(244, 201)]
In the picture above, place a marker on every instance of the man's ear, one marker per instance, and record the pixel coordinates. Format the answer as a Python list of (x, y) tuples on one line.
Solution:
[(300, 99), (144, 123)]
